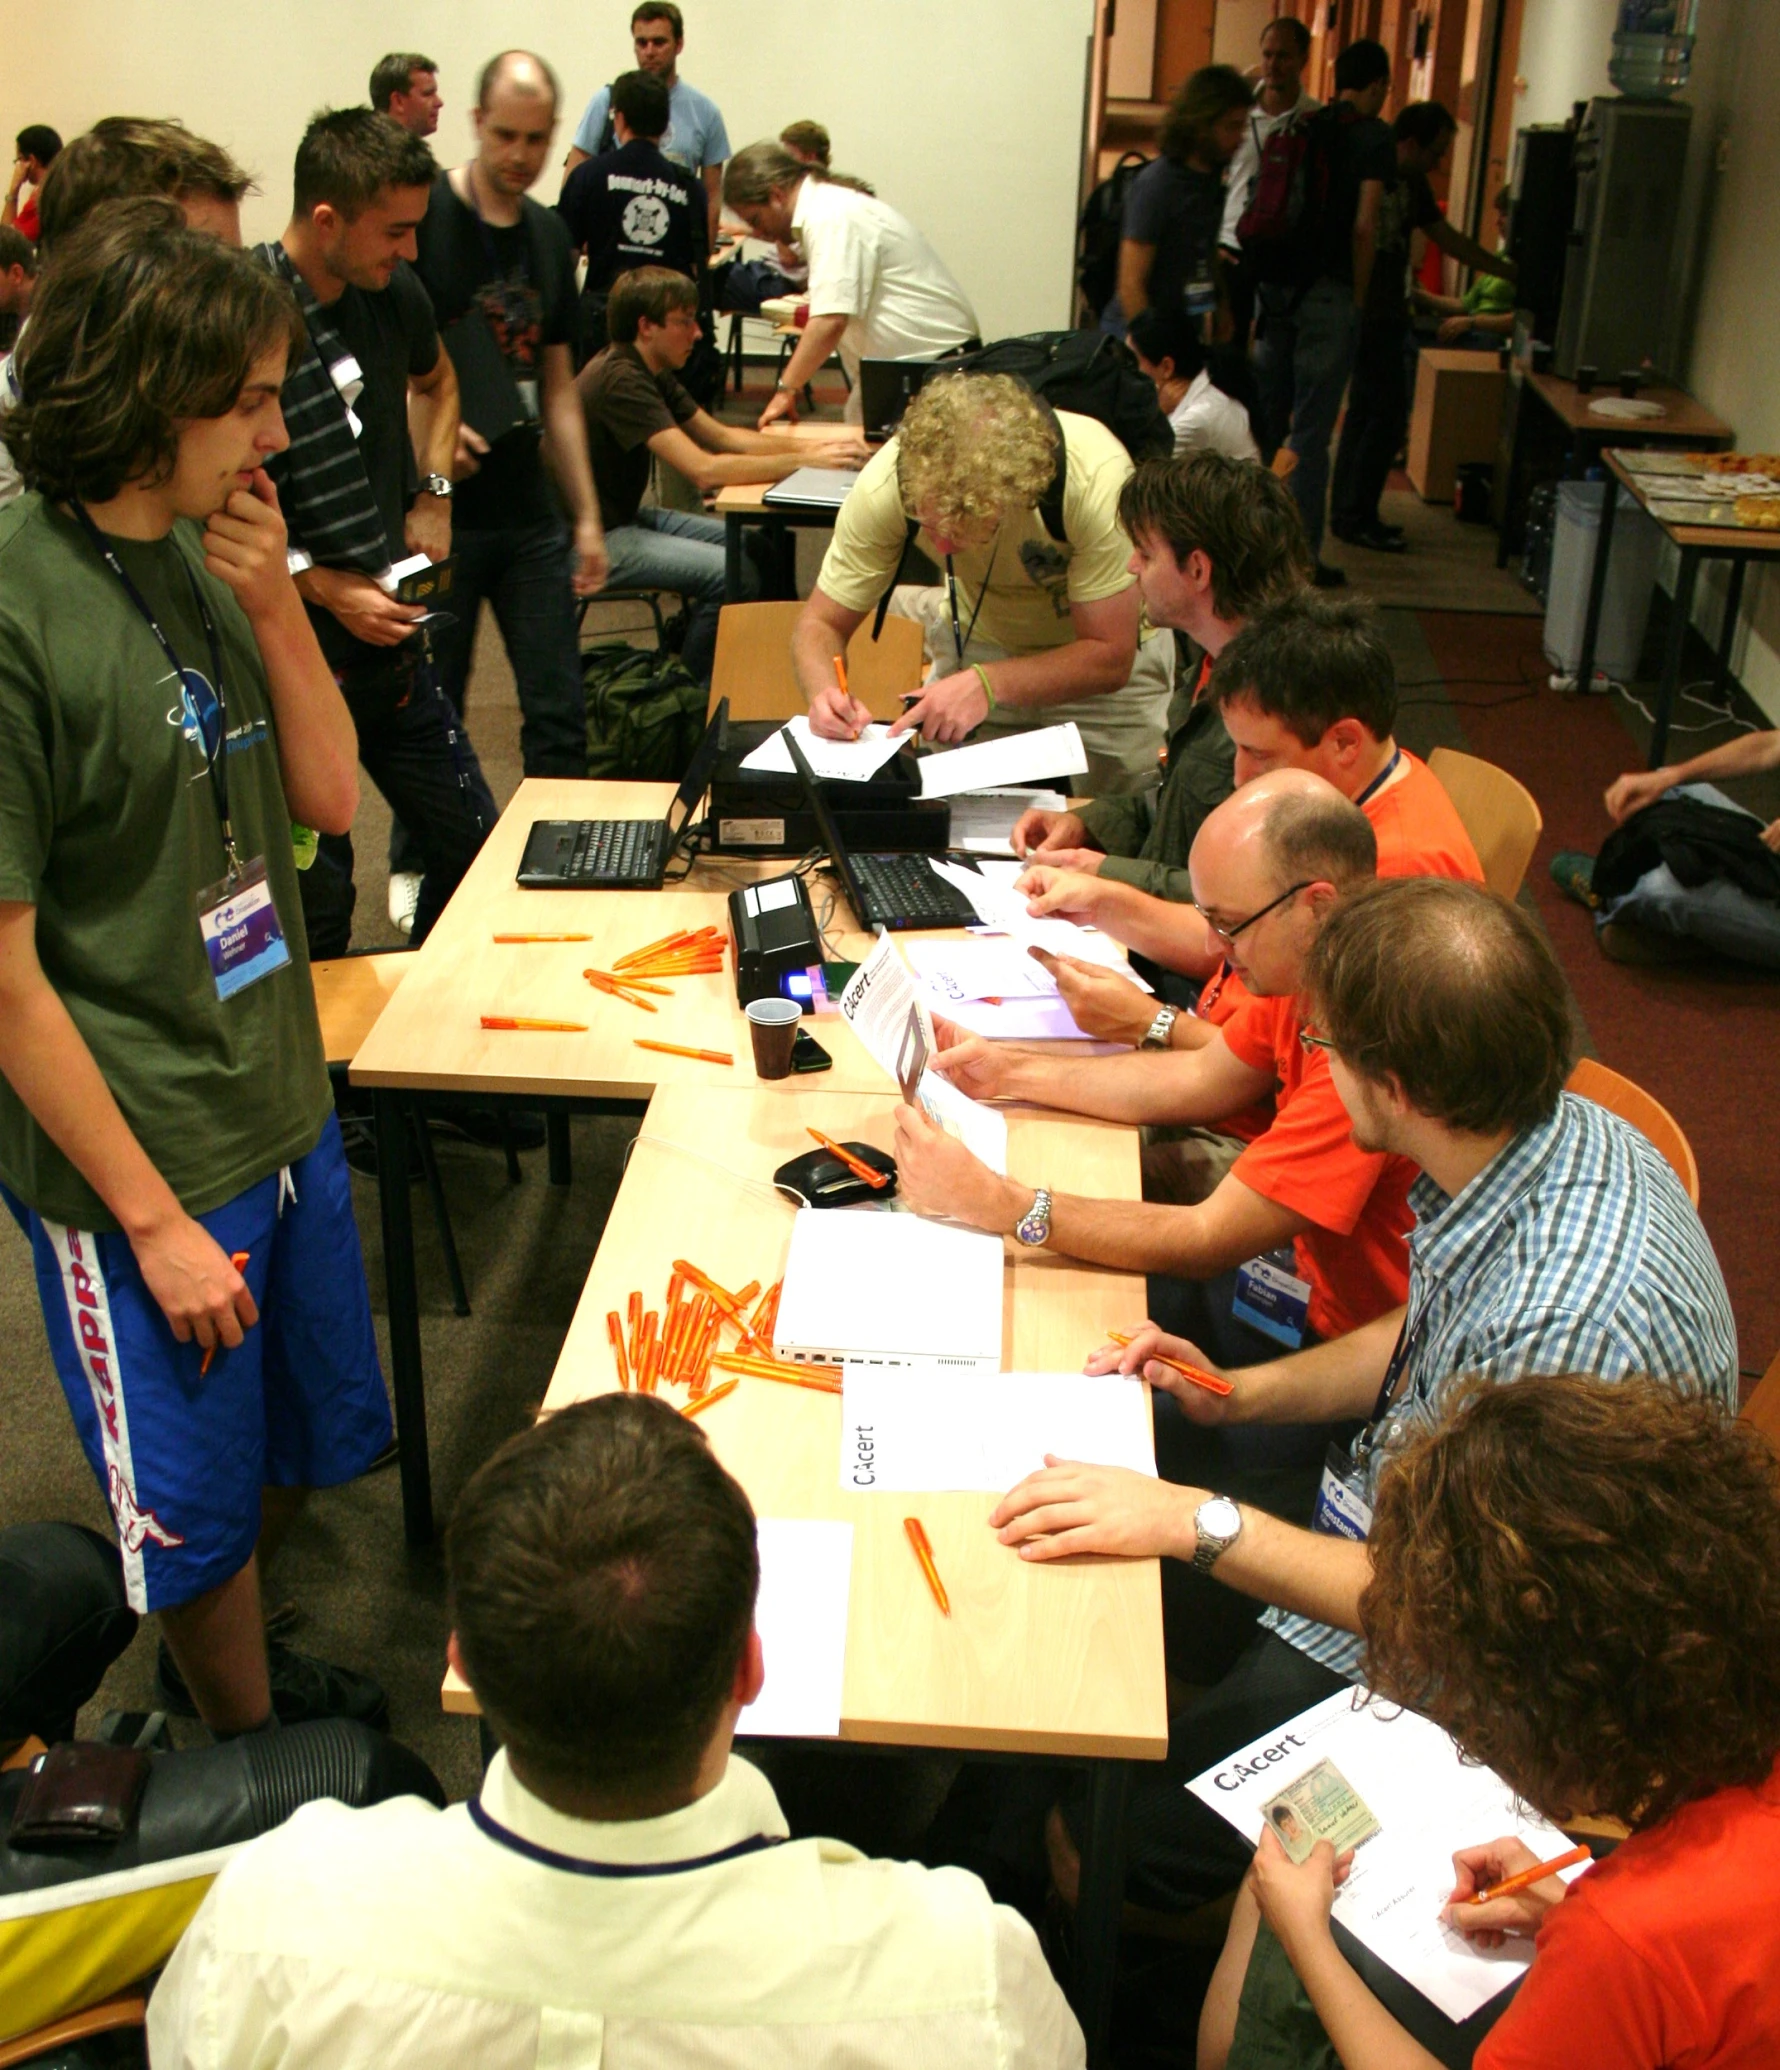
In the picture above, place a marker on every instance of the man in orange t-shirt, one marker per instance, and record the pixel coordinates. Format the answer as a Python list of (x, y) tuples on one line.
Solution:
[(1268, 865)]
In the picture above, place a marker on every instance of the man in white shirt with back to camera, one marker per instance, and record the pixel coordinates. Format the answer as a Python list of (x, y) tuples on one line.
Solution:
[(623, 1888), (878, 289)]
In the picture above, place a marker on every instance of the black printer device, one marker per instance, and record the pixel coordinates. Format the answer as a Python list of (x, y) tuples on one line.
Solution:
[(772, 928), (763, 811)]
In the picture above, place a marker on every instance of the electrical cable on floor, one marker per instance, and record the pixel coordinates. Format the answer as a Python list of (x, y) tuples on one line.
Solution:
[(1686, 696)]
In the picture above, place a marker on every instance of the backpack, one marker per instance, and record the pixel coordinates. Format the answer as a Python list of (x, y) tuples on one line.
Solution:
[(1097, 234), (1086, 372), (645, 714), (1281, 228)]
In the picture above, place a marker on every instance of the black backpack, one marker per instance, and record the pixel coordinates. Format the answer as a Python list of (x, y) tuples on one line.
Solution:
[(1097, 234), (1086, 372)]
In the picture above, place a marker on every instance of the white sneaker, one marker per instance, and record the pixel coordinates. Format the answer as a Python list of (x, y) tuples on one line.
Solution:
[(404, 898)]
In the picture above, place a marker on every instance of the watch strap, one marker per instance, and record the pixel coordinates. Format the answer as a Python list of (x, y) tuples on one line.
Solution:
[(1157, 1034)]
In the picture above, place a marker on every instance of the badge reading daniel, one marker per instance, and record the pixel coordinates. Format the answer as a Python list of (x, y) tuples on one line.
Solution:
[(240, 927), (1321, 1805)]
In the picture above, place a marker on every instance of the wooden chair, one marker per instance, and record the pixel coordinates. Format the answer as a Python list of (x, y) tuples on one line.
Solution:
[(753, 665), (1499, 814), (350, 992), (1645, 1113), (1763, 1406), (129, 2009)]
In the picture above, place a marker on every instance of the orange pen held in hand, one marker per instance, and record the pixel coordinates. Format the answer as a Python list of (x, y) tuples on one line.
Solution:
[(1213, 1383), (917, 1537), (239, 1260), (1528, 1877)]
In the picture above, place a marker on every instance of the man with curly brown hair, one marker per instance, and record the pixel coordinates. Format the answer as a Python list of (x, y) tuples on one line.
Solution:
[(1551, 1237), (1581, 1582), (1038, 619)]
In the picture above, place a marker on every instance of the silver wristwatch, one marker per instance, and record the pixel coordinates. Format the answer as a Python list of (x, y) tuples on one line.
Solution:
[(436, 485), (1217, 1525), (1033, 1229), (1156, 1037)]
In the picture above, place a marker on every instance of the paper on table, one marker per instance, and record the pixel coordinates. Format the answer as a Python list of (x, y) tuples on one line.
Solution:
[(1009, 758), (916, 1433), (1428, 1804), (999, 906), (984, 967), (982, 821), (831, 761), (806, 1568)]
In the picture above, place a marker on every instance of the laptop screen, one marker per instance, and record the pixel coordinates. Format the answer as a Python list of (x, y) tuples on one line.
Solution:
[(831, 836), (693, 785), (886, 388)]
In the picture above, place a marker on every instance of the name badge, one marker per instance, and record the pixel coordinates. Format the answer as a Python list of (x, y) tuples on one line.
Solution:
[(1342, 1510), (241, 933), (1271, 1298), (528, 400), (348, 376)]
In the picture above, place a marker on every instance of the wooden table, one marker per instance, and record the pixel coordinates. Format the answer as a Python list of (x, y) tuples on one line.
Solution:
[(1054, 1660), (1684, 422), (1694, 544)]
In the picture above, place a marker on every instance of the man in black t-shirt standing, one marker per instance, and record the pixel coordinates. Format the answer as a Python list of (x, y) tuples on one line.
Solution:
[(1378, 399), (355, 503), (1308, 328), (632, 206), (501, 274)]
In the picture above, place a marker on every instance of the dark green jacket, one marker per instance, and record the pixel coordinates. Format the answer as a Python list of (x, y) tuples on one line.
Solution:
[(1147, 836)]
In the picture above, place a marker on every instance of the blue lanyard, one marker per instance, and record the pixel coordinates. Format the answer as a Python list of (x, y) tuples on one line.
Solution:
[(216, 758), (1382, 778), (578, 1865)]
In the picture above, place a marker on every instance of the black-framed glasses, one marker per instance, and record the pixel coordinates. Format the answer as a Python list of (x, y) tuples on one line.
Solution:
[(1308, 1040), (1229, 934)]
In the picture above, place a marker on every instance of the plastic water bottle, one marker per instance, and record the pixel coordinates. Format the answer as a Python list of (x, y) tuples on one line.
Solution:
[(1653, 47)]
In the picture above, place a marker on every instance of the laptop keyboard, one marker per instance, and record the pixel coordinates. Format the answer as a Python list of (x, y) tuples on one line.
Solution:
[(902, 888), (616, 850)]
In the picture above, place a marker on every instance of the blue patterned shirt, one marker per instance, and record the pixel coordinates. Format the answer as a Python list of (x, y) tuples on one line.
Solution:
[(1573, 1251)]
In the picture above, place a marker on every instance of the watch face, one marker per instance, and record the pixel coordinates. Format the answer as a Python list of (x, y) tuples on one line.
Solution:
[(1218, 1518)]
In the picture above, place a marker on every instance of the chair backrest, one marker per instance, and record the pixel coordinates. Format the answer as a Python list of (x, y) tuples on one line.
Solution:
[(1498, 813), (1763, 1406), (350, 992), (753, 666), (1645, 1113)]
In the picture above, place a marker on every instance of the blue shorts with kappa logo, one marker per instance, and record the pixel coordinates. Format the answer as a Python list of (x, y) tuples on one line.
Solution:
[(300, 1403)]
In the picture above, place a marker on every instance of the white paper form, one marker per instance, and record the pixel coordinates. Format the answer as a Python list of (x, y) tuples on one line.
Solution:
[(831, 761), (876, 1005), (1428, 1804), (1010, 758), (918, 1433), (999, 906), (806, 1569), (983, 821)]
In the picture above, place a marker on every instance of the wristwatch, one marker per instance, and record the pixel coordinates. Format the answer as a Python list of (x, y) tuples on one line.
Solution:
[(1033, 1229), (1156, 1037), (784, 387), (436, 485), (1217, 1525)]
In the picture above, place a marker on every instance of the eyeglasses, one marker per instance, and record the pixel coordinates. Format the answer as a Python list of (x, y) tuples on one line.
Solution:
[(1229, 934), (1309, 1041)]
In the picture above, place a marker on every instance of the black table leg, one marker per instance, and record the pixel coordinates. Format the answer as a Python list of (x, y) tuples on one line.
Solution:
[(732, 558), (1519, 402), (1727, 637), (429, 1165), (1682, 610), (556, 1137), (1597, 588), (1099, 1905), (406, 1380)]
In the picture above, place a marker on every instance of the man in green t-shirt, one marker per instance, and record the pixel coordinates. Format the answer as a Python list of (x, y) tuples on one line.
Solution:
[(167, 1141)]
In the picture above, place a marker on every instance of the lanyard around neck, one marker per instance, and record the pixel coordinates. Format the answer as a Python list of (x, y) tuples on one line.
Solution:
[(579, 1865), (216, 758), (1382, 778), (962, 638)]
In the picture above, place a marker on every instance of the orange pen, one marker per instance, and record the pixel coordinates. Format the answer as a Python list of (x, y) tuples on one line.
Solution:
[(840, 674), (543, 937), (917, 1537), (673, 1049), (495, 1020), (856, 1165), (1211, 1382), (704, 1401), (239, 1260), (615, 1330), (1528, 1877)]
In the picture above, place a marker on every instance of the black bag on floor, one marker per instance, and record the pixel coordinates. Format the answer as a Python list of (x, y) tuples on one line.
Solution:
[(645, 714)]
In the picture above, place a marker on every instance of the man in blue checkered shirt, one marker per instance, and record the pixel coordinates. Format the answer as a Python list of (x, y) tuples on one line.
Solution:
[(1551, 1237)]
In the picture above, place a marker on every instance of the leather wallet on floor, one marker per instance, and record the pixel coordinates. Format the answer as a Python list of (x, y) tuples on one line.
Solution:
[(79, 1793)]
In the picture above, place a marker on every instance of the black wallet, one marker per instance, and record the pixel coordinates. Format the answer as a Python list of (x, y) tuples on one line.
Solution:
[(78, 1794)]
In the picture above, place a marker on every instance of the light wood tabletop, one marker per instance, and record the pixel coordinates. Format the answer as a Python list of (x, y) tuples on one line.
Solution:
[(1062, 1658)]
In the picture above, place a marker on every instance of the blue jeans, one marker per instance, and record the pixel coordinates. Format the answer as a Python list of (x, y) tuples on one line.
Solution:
[(682, 552), (1304, 352)]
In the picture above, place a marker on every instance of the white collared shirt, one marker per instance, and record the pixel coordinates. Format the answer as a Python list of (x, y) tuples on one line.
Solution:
[(1240, 179), (872, 266), (1206, 416), (400, 1936)]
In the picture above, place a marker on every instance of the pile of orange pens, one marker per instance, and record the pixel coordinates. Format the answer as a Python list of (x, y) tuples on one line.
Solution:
[(693, 952), (680, 1344)]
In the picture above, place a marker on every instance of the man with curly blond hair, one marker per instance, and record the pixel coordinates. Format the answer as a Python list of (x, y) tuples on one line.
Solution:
[(1037, 620)]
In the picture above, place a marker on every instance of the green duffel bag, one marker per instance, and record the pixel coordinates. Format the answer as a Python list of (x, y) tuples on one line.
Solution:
[(645, 714)]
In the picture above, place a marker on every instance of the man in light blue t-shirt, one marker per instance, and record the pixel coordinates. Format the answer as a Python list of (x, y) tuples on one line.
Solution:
[(695, 135)]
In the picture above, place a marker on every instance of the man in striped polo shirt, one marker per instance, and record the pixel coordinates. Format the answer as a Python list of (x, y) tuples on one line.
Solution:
[(1551, 1237)]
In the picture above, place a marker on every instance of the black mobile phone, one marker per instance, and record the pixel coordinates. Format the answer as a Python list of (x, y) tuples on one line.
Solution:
[(807, 1054)]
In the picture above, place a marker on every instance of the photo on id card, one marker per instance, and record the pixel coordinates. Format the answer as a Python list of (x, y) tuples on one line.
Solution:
[(1321, 1805)]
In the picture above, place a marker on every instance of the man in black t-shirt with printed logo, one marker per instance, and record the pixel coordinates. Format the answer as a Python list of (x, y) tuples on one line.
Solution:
[(632, 206)]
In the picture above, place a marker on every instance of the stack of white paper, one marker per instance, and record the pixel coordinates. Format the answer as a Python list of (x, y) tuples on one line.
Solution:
[(806, 1571), (999, 906), (1009, 758), (831, 761), (915, 1433), (890, 1290), (1428, 1804), (982, 821), (993, 987)]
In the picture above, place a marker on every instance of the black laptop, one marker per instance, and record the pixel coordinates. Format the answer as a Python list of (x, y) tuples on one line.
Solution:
[(621, 854), (893, 891), (886, 388)]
